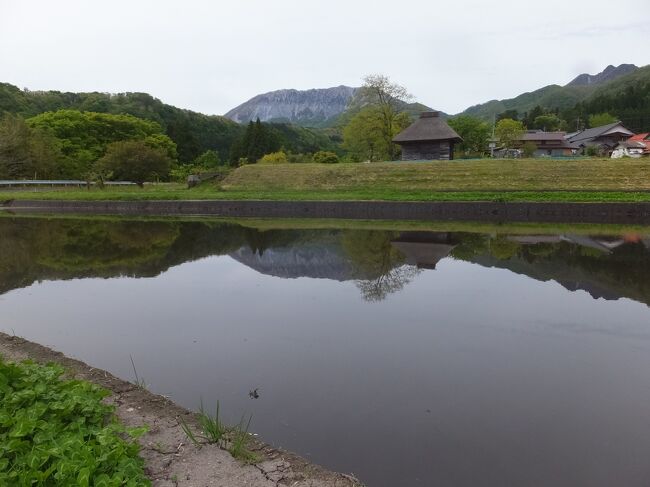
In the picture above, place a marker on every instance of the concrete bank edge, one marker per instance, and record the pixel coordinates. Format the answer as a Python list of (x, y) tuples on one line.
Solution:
[(618, 213)]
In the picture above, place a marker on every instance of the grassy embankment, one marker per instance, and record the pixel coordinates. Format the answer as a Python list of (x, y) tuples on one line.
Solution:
[(582, 180), (59, 432)]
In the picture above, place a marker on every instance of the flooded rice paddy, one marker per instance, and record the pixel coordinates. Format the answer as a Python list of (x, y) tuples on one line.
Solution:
[(489, 356)]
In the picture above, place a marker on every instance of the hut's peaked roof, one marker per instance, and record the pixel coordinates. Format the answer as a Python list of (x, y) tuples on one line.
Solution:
[(428, 127)]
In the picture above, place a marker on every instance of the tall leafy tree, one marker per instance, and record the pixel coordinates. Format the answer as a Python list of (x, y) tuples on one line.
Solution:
[(25, 152), (598, 119), (387, 99), (508, 131), (549, 122), (83, 137), (475, 133), (134, 160), (363, 136)]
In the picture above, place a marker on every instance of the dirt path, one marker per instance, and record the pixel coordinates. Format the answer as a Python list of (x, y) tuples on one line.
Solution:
[(171, 459)]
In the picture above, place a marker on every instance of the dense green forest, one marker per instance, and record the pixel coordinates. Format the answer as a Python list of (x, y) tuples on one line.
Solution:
[(51, 134), (626, 98), (194, 133)]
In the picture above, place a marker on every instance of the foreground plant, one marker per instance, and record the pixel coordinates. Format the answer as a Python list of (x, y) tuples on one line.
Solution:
[(235, 440), (238, 443), (58, 432)]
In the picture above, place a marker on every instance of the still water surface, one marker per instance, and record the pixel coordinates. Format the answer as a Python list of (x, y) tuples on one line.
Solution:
[(406, 358)]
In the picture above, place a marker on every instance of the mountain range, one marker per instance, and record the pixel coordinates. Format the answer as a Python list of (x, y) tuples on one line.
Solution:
[(581, 88), (325, 107)]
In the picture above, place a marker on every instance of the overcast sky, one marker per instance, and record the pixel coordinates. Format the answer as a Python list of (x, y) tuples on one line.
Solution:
[(210, 56)]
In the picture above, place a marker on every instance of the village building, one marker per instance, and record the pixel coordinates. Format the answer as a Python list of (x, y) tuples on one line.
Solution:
[(553, 144), (604, 138), (636, 146), (428, 138)]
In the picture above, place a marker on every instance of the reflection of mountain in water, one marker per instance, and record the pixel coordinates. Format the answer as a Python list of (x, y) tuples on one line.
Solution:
[(311, 259), (380, 262), (328, 259)]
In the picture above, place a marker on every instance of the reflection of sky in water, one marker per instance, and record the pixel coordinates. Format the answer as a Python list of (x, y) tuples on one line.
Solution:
[(467, 376)]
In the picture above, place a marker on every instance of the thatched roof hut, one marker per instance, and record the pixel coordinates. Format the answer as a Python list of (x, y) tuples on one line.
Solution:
[(427, 138)]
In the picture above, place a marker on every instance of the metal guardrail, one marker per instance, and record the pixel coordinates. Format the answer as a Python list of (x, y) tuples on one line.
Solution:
[(53, 183)]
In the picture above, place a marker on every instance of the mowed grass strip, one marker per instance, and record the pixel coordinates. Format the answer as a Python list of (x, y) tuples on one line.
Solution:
[(579, 180), (473, 175)]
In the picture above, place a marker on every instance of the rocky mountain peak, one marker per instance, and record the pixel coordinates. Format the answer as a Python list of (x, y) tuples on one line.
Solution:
[(302, 107), (608, 74)]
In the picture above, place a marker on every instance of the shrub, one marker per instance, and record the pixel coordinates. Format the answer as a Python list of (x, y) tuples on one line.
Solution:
[(529, 149), (274, 158), (324, 157), (208, 160)]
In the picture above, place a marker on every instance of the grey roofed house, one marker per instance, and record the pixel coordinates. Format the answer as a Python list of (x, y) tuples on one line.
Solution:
[(605, 136), (549, 143), (429, 137)]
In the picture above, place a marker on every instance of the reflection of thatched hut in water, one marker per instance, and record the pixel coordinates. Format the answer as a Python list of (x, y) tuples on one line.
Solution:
[(424, 249), (427, 138)]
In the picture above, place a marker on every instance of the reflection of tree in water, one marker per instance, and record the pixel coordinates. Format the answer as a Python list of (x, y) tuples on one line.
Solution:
[(379, 268), (390, 282)]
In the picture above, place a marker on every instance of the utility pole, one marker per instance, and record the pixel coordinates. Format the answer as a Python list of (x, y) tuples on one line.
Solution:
[(493, 143)]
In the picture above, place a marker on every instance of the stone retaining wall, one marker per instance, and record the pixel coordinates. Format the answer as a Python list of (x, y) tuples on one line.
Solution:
[(630, 213)]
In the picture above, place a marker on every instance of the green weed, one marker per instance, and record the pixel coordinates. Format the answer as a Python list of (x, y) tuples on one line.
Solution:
[(188, 432), (212, 427), (140, 383), (234, 440), (59, 432), (238, 444)]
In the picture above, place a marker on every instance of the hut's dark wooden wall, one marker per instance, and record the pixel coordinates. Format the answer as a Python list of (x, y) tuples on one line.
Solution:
[(424, 151)]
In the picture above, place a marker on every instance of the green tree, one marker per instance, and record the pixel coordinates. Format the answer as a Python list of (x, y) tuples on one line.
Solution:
[(257, 140), (548, 122), (388, 100), (133, 160), (511, 113), (82, 137), (475, 134), (509, 131), (209, 159), (25, 152), (163, 143), (364, 137), (529, 117), (599, 119)]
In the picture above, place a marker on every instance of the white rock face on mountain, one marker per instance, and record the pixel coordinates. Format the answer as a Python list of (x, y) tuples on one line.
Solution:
[(302, 107)]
